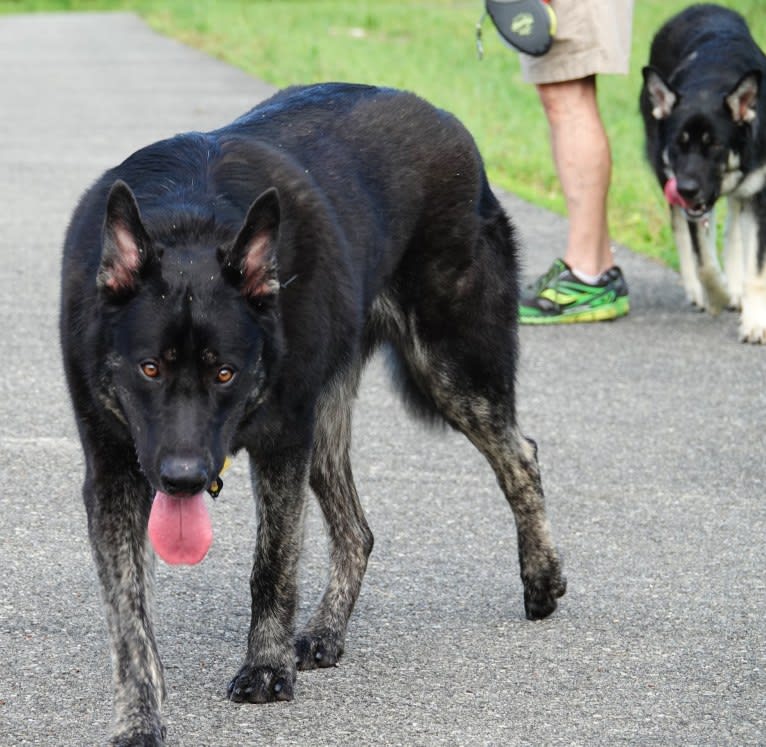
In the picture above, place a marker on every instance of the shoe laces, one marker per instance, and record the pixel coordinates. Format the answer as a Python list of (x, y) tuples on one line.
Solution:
[(547, 280)]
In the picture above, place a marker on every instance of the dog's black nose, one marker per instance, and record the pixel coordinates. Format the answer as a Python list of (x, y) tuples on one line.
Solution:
[(180, 475), (688, 187)]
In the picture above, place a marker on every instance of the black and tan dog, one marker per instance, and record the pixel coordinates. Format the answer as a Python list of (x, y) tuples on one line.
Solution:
[(221, 292), (704, 109)]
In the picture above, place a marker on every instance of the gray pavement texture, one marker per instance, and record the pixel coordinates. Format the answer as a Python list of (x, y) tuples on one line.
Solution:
[(651, 435)]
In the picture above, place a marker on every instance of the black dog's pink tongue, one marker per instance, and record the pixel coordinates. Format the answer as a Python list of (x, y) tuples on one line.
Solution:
[(180, 528)]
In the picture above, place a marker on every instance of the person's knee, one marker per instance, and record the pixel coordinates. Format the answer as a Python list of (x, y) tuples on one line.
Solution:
[(567, 98)]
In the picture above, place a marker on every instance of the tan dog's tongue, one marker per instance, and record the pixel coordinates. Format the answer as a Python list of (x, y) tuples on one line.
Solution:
[(180, 529), (672, 195)]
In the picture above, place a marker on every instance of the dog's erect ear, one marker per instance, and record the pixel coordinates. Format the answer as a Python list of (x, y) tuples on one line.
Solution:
[(251, 262), (126, 244), (661, 94), (742, 102)]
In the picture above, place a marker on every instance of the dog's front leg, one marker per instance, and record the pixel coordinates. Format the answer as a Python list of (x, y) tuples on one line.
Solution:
[(752, 327), (268, 674), (118, 511), (686, 259), (704, 241), (733, 258), (700, 268)]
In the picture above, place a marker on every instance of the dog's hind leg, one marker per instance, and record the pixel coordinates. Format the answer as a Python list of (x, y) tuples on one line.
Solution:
[(490, 426), (513, 457), (279, 480), (452, 317), (118, 500), (467, 377), (321, 642)]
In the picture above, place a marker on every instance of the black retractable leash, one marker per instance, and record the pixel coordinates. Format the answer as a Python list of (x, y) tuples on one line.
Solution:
[(527, 26)]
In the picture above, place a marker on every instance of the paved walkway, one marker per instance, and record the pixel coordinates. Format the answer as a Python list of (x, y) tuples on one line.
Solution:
[(651, 436)]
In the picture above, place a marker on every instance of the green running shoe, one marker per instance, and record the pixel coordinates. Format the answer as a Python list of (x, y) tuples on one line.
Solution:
[(558, 297)]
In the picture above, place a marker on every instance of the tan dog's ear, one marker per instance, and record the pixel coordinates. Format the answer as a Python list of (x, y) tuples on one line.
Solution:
[(661, 94), (742, 102)]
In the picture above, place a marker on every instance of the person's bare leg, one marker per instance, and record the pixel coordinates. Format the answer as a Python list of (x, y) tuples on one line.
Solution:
[(584, 164)]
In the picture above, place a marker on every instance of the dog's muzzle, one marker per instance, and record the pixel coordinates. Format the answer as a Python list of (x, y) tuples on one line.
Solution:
[(674, 195)]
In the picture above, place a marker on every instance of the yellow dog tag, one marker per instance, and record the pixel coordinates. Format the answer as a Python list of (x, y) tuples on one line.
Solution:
[(217, 485)]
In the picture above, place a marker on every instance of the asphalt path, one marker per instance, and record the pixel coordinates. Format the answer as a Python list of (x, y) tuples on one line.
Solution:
[(651, 436)]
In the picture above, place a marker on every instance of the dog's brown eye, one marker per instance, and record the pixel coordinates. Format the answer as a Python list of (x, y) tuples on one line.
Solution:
[(224, 375), (150, 369)]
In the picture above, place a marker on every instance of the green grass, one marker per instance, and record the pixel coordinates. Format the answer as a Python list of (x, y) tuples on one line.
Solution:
[(428, 48)]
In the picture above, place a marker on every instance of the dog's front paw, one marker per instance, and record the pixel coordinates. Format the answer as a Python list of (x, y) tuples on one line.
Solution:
[(716, 294), (735, 301), (752, 332), (262, 684), (695, 294), (316, 649), (752, 323), (542, 590)]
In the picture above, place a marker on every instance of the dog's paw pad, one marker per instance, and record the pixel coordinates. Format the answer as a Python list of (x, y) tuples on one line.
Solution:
[(254, 684)]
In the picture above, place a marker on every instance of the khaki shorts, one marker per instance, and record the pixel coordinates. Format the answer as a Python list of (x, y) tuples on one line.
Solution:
[(592, 36)]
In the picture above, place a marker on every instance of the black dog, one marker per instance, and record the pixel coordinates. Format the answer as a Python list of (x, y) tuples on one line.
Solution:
[(704, 111), (221, 292)]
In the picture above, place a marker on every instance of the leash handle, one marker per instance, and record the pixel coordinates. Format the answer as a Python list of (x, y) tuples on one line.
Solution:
[(526, 26)]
